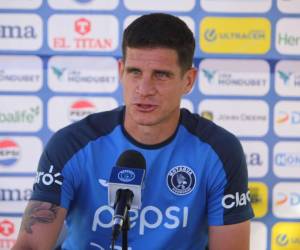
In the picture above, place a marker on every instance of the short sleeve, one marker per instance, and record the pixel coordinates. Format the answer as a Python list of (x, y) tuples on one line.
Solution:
[(228, 193), (56, 176)]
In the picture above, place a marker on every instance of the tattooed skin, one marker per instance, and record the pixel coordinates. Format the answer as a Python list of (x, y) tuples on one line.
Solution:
[(38, 212)]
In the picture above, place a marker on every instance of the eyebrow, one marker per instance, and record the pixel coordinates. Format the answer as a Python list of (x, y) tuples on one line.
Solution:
[(167, 72), (155, 71), (130, 68)]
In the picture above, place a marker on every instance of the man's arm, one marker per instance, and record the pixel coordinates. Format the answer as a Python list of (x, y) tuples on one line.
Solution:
[(230, 237), (41, 225)]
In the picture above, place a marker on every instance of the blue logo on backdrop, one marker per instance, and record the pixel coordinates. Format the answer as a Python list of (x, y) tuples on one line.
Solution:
[(287, 159), (126, 175), (209, 74), (285, 76), (181, 180)]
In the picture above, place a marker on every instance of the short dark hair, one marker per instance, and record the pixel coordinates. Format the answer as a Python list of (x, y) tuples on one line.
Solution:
[(163, 31)]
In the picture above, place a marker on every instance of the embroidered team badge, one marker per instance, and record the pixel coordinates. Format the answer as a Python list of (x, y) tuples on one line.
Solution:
[(181, 180)]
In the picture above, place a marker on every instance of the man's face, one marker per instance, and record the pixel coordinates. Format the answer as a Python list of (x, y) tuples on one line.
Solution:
[(153, 84)]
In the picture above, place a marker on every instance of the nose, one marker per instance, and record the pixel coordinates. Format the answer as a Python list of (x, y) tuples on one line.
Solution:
[(146, 87)]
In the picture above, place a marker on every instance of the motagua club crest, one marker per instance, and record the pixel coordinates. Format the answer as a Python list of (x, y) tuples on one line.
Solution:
[(181, 180)]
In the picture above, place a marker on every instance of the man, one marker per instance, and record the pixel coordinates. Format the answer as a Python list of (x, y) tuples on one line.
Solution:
[(196, 180)]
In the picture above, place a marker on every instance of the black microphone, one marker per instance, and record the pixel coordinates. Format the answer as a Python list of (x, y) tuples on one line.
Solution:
[(125, 187)]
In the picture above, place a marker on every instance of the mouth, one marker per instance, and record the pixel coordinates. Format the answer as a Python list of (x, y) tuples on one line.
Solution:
[(145, 107)]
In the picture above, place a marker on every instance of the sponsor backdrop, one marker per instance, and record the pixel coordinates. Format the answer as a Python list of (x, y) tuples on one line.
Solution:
[(58, 63)]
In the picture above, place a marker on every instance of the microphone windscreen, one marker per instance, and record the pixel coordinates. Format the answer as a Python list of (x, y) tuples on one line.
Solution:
[(131, 159)]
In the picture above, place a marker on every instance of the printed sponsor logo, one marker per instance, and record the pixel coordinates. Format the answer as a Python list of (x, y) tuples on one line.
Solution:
[(15, 192), (20, 113), (259, 198), (71, 74), (286, 236), (9, 152), (286, 200), (246, 6), (88, 33), (24, 29), (289, 6), (20, 73), (63, 110), (287, 118), (16, 154), (234, 77), (81, 109), (235, 35), (157, 5), (49, 178), (288, 36), (83, 4), (250, 119), (20, 4), (235, 200), (9, 227), (181, 180), (258, 235), (173, 218), (256, 154), (286, 159), (287, 78)]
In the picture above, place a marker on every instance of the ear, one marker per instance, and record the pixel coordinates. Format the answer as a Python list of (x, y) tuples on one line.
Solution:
[(121, 66), (189, 79)]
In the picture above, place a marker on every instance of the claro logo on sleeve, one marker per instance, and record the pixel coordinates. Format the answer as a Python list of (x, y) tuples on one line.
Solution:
[(48, 178), (236, 200)]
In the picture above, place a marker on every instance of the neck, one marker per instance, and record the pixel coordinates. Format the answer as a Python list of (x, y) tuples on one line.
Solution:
[(152, 134)]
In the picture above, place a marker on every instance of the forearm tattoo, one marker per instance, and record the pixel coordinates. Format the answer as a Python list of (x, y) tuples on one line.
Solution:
[(38, 212)]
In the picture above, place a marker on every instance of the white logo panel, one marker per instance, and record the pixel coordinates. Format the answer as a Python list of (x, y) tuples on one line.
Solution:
[(83, 74), (289, 6), (83, 4), (287, 118), (83, 32), (286, 200), (256, 153), (15, 192), (20, 32), (286, 159), (20, 114), (287, 78), (65, 110), (288, 36), (245, 6), (234, 77), (241, 117), (9, 228), (16, 154), (258, 236), (20, 4), (21, 73), (166, 5)]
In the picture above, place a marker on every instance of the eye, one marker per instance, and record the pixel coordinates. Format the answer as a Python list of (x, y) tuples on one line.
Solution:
[(162, 75), (134, 72)]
